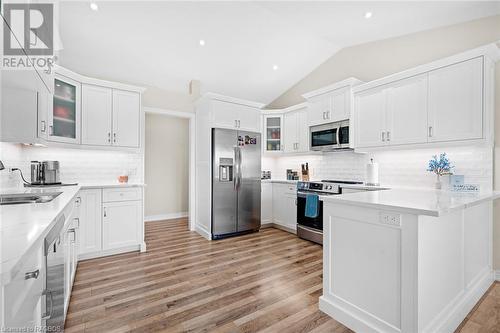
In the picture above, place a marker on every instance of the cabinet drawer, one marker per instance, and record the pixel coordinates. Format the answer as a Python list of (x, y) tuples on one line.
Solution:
[(121, 194), (24, 293)]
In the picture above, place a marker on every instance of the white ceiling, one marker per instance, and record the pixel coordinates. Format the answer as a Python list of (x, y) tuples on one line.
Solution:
[(157, 43)]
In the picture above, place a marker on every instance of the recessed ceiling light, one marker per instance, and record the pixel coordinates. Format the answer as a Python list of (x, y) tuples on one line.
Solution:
[(368, 15), (202, 42), (94, 6), (275, 67)]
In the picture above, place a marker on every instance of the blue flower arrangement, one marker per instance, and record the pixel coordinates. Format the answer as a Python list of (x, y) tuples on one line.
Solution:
[(441, 166)]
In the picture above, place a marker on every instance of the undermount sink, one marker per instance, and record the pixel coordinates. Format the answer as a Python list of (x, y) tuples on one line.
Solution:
[(25, 198)]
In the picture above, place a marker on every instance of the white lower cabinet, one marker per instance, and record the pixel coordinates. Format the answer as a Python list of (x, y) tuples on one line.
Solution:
[(90, 221), (285, 205), (119, 224), (266, 206)]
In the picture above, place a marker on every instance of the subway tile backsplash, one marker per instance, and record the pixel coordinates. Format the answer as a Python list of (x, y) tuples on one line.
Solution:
[(396, 168), (76, 165)]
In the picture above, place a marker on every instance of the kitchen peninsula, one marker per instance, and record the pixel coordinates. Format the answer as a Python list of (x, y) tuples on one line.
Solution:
[(406, 260)]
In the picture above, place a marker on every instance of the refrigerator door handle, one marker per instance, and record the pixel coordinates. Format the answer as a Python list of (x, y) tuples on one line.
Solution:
[(237, 165), (239, 168)]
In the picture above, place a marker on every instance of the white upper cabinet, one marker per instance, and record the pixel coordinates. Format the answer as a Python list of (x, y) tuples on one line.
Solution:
[(407, 111), (273, 133), (370, 118), (126, 118), (456, 101), (296, 131), (448, 100), (235, 115), (290, 132), (64, 114), (97, 106), (331, 103)]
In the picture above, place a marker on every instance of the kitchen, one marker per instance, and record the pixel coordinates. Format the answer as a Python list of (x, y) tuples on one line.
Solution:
[(332, 154)]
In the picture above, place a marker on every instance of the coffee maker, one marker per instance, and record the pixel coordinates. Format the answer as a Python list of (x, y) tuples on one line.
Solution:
[(45, 173)]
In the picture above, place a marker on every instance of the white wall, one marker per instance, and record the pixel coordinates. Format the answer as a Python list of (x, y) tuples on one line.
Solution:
[(76, 165), (166, 166)]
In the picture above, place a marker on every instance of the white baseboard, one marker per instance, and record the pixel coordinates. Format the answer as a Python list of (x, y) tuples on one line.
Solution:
[(105, 253), (203, 232), (497, 275), (162, 217)]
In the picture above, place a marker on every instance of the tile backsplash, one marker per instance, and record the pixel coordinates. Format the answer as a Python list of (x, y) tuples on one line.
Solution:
[(76, 165), (396, 168)]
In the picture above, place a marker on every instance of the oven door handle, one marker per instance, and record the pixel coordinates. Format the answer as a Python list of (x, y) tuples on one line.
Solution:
[(338, 136)]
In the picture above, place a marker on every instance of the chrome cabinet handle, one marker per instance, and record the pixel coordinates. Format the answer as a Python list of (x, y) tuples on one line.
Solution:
[(43, 126), (324, 115), (77, 220), (388, 136), (51, 130), (48, 315), (114, 137), (105, 214), (383, 136), (73, 231), (78, 201), (430, 131), (327, 114), (109, 136), (239, 123), (32, 275)]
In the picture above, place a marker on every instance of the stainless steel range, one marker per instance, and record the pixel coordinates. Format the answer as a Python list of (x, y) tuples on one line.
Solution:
[(312, 228)]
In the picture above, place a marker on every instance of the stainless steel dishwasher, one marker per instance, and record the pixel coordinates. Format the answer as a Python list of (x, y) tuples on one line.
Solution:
[(53, 307)]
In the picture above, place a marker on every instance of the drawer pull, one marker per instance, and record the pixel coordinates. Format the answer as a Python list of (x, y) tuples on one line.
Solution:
[(32, 275)]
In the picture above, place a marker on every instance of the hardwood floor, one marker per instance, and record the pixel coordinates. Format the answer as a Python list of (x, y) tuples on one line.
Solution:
[(268, 282), (263, 282)]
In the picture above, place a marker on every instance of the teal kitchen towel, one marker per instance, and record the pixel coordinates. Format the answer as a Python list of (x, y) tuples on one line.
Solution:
[(312, 205)]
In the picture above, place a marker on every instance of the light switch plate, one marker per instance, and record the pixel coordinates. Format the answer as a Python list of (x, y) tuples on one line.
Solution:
[(390, 218)]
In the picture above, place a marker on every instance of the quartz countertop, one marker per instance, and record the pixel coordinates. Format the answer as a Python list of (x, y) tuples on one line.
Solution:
[(23, 227), (413, 201)]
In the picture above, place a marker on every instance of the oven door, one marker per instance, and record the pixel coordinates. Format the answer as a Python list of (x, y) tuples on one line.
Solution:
[(302, 219), (324, 137)]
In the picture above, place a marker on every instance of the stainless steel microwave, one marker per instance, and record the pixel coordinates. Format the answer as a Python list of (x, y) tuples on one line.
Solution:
[(332, 136)]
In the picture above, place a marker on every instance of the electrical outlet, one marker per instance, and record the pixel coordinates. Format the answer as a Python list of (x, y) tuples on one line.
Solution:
[(390, 218)]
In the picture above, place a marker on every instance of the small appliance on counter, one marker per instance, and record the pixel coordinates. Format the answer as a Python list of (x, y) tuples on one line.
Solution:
[(266, 175), (292, 175), (45, 173)]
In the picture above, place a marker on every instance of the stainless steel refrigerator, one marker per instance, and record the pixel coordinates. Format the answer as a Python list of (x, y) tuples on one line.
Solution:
[(236, 171)]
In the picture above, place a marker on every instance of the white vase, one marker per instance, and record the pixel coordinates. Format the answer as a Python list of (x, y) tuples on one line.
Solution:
[(438, 183)]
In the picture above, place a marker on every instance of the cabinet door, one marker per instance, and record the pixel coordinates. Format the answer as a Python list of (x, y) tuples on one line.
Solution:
[(456, 101), (224, 114), (273, 133), (290, 203), (279, 204), (407, 111), (64, 116), (370, 117), (97, 108), (318, 107), (290, 132), (120, 224), (248, 118), (90, 221), (302, 131), (340, 102), (266, 213), (126, 118)]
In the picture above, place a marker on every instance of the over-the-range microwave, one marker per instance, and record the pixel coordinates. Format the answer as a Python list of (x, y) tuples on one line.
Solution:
[(330, 137)]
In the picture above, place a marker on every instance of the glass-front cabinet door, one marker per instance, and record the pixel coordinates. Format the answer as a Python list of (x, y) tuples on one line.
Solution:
[(273, 131), (64, 116)]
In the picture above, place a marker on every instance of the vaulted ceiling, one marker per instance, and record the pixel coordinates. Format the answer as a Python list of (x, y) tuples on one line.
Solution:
[(252, 50)]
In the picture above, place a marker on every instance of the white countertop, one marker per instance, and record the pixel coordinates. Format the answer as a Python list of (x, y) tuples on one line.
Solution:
[(23, 227), (413, 201)]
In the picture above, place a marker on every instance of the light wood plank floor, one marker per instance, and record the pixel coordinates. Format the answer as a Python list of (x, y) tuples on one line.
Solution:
[(263, 282)]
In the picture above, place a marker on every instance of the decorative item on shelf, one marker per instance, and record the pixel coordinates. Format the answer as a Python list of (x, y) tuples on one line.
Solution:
[(440, 167), (457, 184), (305, 172), (123, 178), (372, 173)]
